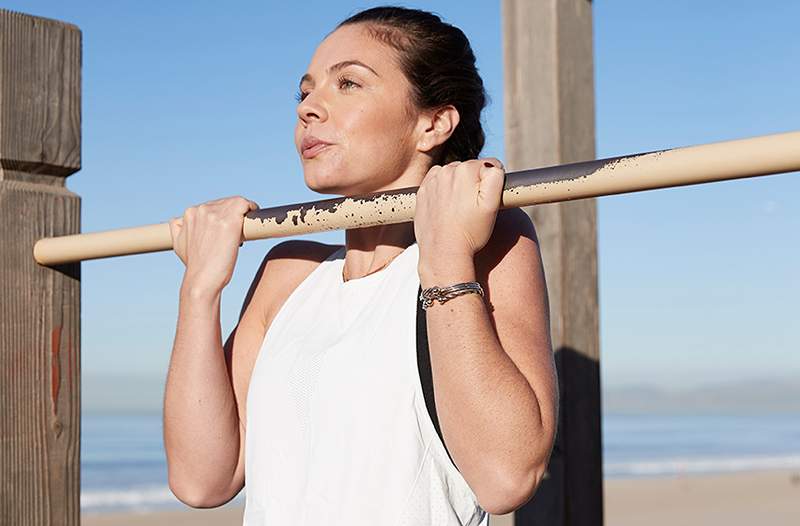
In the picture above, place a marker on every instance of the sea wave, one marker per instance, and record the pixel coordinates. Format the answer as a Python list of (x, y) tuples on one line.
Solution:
[(135, 499), (698, 466), (140, 499)]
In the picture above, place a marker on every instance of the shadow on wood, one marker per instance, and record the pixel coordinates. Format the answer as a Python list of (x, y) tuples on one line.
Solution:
[(572, 491)]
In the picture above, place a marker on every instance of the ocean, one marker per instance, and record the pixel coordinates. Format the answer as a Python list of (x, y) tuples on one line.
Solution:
[(123, 466)]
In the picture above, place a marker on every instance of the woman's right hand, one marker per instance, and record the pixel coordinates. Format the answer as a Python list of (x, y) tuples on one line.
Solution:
[(207, 239)]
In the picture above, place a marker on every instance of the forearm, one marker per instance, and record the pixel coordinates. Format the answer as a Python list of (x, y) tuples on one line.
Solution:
[(201, 423), (489, 413)]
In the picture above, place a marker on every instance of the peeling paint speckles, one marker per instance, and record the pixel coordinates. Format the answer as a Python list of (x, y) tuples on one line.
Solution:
[(318, 210), (55, 370), (567, 173), (553, 174)]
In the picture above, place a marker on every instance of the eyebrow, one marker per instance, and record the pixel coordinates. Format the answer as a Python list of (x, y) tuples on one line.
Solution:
[(339, 66)]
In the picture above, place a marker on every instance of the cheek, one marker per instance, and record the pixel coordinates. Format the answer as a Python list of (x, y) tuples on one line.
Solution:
[(379, 135), (374, 147), (298, 133)]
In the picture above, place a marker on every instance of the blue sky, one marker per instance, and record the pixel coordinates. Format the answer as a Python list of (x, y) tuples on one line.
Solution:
[(185, 102)]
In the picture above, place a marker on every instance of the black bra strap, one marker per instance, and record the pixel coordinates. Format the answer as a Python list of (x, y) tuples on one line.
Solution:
[(424, 367)]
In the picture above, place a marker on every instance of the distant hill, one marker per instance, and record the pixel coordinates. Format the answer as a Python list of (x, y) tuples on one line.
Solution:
[(122, 394), (144, 394), (762, 395)]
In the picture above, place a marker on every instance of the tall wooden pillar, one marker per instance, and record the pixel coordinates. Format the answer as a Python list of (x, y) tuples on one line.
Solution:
[(549, 119), (40, 145)]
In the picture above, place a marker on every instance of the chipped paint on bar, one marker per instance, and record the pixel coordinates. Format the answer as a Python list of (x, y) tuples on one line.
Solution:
[(756, 156)]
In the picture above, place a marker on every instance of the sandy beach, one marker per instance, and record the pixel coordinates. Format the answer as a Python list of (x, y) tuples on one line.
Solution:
[(732, 499)]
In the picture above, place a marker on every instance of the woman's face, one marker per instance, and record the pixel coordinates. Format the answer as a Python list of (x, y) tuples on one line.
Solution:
[(356, 127)]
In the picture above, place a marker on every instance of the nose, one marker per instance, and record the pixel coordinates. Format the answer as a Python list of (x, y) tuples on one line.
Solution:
[(312, 108)]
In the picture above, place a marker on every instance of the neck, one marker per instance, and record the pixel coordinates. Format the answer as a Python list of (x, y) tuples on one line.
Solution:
[(372, 248)]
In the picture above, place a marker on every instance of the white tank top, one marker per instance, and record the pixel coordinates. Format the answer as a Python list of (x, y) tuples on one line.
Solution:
[(338, 431)]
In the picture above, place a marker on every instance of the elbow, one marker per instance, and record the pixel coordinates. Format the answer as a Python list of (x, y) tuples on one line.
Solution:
[(513, 492), (198, 497)]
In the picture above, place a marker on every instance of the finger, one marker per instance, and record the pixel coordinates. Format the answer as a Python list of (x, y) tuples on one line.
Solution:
[(490, 188), (468, 172), (435, 169), (452, 167), (242, 205), (175, 225), (493, 161), (175, 228)]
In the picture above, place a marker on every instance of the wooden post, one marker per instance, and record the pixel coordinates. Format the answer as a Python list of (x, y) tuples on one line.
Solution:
[(40, 145), (549, 119)]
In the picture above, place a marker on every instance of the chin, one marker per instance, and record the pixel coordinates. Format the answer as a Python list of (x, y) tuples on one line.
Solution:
[(322, 182)]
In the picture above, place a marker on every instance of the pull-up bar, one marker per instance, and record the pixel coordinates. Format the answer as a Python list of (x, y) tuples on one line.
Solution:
[(756, 156)]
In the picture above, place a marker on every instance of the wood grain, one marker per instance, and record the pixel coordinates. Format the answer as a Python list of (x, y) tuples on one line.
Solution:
[(40, 66), (549, 115)]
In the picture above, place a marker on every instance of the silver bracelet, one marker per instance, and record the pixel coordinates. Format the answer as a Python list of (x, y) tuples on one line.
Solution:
[(443, 294)]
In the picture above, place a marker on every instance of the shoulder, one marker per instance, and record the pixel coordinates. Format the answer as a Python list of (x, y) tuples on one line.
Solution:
[(512, 247), (513, 223), (288, 263), (283, 268), (300, 251), (509, 267)]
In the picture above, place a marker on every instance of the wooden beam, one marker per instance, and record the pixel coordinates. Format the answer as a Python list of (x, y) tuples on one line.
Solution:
[(40, 144), (549, 119)]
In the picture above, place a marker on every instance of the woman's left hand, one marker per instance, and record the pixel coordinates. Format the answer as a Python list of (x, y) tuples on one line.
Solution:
[(457, 206)]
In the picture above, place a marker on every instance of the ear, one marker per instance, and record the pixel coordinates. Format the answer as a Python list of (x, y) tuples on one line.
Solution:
[(436, 127)]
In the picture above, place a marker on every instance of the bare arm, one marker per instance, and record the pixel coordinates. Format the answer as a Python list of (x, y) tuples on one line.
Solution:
[(496, 389), (203, 435), (492, 364), (205, 403), (201, 423)]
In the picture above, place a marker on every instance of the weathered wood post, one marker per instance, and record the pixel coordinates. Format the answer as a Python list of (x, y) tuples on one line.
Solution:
[(549, 119), (40, 145)]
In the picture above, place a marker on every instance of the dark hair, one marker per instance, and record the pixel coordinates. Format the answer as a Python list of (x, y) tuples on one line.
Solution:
[(438, 61)]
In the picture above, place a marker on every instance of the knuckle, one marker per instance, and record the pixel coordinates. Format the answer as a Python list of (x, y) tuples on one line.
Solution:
[(495, 162)]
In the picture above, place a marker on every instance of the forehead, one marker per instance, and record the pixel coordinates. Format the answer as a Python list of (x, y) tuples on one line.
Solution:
[(353, 42)]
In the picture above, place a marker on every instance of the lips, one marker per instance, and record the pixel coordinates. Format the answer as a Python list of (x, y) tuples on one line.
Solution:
[(311, 146)]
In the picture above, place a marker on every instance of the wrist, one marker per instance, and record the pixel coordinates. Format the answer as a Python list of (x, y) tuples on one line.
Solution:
[(445, 271), (197, 290)]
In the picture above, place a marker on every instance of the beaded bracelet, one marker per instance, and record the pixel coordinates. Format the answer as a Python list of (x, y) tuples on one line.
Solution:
[(443, 294)]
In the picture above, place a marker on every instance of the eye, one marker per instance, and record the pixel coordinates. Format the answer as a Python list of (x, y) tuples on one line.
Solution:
[(347, 84), (300, 96)]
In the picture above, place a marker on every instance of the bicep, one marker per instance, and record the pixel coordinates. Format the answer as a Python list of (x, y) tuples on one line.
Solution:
[(519, 309), (241, 350), (282, 269)]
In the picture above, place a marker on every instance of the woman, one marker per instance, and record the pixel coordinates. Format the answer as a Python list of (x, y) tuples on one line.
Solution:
[(317, 398)]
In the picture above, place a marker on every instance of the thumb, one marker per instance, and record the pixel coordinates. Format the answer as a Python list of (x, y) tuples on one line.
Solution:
[(490, 187)]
